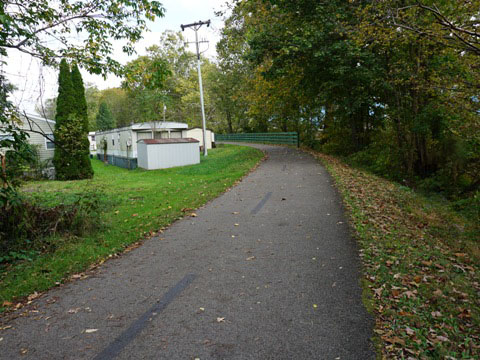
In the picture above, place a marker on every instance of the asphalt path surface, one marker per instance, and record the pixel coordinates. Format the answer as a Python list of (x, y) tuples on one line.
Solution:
[(266, 271)]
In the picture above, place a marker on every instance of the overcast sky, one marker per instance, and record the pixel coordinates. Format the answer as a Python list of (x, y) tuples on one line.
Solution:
[(35, 82)]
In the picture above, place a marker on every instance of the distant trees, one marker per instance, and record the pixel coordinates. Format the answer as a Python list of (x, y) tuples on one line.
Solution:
[(391, 85), (104, 118), (71, 157), (144, 82), (119, 104), (47, 108), (164, 82)]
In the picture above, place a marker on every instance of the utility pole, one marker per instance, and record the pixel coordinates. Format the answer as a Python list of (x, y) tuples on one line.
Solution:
[(196, 26)]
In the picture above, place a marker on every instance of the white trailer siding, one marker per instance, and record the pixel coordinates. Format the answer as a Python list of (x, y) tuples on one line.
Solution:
[(117, 139), (144, 135), (93, 143), (167, 153), (197, 133), (175, 135), (117, 143), (45, 147), (41, 135)]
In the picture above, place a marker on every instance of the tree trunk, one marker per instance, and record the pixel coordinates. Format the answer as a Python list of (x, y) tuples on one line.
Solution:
[(229, 122), (4, 170), (285, 124), (328, 116)]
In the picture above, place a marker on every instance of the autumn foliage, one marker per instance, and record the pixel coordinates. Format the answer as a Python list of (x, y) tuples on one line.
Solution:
[(392, 87)]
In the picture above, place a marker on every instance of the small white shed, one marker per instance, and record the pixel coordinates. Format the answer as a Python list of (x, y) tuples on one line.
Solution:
[(166, 153)]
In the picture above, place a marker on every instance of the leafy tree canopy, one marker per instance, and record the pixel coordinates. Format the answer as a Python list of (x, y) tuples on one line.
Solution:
[(43, 29), (392, 84)]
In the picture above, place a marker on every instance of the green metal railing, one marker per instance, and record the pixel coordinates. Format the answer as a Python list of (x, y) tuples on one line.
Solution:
[(287, 138)]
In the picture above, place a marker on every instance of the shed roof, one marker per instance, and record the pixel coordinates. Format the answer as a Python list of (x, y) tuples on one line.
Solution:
[(168, 141)]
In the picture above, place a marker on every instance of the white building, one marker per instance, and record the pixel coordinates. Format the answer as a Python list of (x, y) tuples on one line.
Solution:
[(197, 133), (166, 153), (119, 146), (122, 142), (93, 143), (40, 134)]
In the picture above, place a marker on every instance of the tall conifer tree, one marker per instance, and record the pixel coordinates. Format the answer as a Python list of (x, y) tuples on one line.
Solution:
[(79, 96), (80, 109), (105, 120), (64, 109), (71, 158)]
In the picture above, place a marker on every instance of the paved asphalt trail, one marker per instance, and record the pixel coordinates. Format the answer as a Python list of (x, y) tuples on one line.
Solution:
[(282, 284)]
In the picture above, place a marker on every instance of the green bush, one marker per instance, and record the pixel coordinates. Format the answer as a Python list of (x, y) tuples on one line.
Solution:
[(470, 206), (381, 157), (382, 163), (336, 141), (25, 164), (24, 161), (31, 228)]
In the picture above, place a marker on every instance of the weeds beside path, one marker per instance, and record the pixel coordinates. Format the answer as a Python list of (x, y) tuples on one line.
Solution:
[(141, 203), (421, 267)]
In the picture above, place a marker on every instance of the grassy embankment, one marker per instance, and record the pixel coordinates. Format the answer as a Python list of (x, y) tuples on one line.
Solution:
[(138, 203), (421, 267)]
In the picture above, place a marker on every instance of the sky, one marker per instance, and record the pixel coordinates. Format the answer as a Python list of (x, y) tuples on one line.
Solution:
[(35, 82)]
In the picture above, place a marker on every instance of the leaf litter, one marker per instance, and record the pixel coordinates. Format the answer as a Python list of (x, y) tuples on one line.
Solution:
[(420, 267)]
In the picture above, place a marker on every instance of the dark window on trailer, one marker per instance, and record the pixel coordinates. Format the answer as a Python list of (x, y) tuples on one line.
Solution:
[(49, 142)]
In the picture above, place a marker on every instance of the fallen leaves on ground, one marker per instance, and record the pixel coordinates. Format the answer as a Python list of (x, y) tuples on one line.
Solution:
[(33, 296), (420, 265)]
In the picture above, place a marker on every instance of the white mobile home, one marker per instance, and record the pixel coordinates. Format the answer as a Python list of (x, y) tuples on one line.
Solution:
[(119, 146), (40, 131)]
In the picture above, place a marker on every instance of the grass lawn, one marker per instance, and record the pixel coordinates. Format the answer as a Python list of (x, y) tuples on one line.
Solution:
[(421, 267), (139, 203)]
